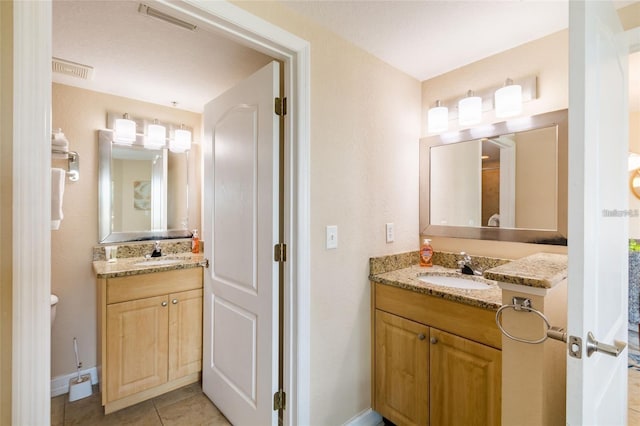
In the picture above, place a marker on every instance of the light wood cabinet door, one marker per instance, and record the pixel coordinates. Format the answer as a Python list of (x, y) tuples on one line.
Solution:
[(465, 381), (401, 369), (185, 333), (137, 346)]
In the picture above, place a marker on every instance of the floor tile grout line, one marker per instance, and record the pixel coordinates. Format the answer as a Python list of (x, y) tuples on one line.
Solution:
[(155, 407)]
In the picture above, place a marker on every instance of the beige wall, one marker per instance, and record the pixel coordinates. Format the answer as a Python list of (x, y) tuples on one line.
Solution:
[(6, 183), (546, 58), (634, 132), (80, 113), (364, 173), (630, 16)]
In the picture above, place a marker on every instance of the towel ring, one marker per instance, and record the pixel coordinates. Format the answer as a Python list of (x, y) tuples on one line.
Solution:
[(521, 304)]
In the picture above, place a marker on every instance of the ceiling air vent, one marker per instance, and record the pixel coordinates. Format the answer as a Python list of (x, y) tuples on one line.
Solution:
[(73, 69)]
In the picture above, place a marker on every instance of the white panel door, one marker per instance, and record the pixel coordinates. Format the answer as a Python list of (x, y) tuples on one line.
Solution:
[(598, 227), (240, 353)]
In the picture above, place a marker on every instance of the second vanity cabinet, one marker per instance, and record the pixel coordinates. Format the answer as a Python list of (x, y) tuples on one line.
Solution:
[(435, 362), (151, 334)]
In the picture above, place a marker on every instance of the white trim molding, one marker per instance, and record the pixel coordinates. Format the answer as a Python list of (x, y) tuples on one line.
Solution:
[(31, 331), (367, 417)]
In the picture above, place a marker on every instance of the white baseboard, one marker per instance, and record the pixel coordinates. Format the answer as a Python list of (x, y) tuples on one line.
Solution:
[(366, 418), (60, 384)]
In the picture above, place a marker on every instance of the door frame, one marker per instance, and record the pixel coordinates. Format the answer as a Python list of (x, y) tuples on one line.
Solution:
[(31, 251)]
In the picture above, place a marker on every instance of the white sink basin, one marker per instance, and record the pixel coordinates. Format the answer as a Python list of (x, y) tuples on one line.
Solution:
[(454, 282), (159, 262)]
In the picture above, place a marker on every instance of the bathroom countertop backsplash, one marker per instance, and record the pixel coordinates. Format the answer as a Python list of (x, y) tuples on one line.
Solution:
[(381, 264), (141, 249), (131, 258)]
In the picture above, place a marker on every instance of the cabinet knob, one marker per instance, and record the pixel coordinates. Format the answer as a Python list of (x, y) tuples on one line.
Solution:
[(174, 301), (164, 303), (421, 336), (434, 340)]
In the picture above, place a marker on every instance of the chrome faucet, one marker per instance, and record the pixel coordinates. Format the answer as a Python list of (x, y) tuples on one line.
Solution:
[(157, 251), (466, 265)]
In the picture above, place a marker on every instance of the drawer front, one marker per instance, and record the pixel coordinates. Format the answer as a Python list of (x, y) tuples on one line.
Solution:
[(134, 287), (467, 321)]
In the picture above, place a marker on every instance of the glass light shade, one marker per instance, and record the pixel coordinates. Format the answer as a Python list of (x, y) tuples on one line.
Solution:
[(438, 119), (156, 136), (470, 110), (181, 141), (125, 130), (508, 100)]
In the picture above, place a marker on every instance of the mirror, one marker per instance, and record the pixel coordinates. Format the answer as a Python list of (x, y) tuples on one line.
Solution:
[(143, 193), (506, 181)]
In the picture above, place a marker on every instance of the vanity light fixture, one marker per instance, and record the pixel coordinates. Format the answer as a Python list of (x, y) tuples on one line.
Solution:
[(508, 100), (125, 130), (156, 136), (438, 118), (181, 140), (470, 109)]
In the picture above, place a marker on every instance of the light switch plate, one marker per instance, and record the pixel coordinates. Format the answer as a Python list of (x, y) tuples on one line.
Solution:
[(390, 232), (332, 237)]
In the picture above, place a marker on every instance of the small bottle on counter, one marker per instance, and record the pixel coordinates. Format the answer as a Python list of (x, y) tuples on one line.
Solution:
[(426, 253), (195, 242)]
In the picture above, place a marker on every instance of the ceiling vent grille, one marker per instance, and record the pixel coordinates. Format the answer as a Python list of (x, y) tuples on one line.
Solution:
[(73, 69)]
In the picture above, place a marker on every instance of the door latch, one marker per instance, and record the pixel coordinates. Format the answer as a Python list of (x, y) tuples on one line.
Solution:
[(575, 347)]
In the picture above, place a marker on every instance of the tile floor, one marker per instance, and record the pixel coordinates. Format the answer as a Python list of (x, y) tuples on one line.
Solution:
[(184, 406), (189, 406)]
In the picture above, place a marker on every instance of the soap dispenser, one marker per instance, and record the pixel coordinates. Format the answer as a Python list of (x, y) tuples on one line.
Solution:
[(195, 242), (426, 253)]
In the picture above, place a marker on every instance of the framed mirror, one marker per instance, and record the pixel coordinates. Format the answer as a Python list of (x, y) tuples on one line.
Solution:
[(506, 181), (143, 193)]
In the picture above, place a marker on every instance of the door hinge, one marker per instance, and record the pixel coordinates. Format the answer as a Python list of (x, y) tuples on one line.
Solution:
[(279, 400), (280, 252), (281, 106)]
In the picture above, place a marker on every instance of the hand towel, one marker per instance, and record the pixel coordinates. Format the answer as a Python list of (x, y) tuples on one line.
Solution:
[(59, 142), (58, 177)]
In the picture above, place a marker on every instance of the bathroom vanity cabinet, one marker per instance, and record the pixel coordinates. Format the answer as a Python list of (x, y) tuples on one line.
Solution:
[(434, 361), (150, 334)]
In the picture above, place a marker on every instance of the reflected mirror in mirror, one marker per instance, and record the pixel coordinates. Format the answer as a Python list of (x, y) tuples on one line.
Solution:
[(506, 182), (143, 193)]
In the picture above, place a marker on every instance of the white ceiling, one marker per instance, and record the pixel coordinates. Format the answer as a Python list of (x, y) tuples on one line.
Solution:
[(428, 38), (143, 58)]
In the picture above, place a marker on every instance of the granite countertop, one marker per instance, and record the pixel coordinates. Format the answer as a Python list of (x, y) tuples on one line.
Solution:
[(542, 270), (408, 278), (128, 266)]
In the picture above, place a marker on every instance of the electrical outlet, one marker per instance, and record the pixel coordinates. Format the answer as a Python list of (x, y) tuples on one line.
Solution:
[(332, 237), (390, 232)]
